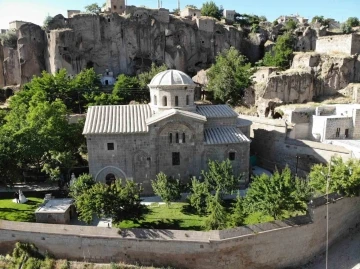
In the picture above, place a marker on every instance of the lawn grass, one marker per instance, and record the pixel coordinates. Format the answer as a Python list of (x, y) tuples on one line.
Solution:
[(19, 212), (177, 216)]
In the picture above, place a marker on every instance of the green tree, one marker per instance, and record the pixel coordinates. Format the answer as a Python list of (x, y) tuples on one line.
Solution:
[(125, 88), (220, 177), (199, 196), (93, 8), (345, 28), (238, 215), (176, 11), (81, 185), (118, 201), (290, 25), (352, 22), (344, 177), (47, 21), (217, 218), (273, 195), (319, 19), (282, 53), (167, 188), (191, 6), (210, 9), (9, 39), (229, 76)]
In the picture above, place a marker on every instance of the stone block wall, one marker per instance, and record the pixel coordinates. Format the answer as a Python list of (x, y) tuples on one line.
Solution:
[(336, 44), (333, 124), (281, 244)]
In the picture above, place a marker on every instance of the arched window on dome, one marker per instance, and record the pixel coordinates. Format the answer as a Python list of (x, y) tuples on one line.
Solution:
[(183, 138), (187, 100), (164, 101), (176, 100), (155, 100)]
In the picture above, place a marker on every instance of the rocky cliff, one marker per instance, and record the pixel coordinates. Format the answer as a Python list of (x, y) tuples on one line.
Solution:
[(122, 44), (311, 75)]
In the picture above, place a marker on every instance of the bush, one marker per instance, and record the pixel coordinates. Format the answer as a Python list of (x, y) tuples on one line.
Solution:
[(167, 188), (9, 39), (281, 54)]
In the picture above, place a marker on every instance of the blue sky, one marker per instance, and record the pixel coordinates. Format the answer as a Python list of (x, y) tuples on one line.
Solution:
[(36, 10)]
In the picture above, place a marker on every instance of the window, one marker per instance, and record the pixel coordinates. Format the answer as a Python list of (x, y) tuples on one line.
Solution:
[(337, 132), (346, 133), (231, 156), (164, 103), (170, 138), (110, 179), (114, 7), (177, 138), (176, 158), (187, 100), (155, 100), (183, 138), (110, 146), (176, 100)]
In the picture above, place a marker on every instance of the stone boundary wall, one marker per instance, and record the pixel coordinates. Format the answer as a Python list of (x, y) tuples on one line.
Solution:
[(338, 44), (274, 149), (278, 244)]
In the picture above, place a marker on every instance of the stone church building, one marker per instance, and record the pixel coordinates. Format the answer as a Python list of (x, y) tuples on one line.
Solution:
[(171, 134)]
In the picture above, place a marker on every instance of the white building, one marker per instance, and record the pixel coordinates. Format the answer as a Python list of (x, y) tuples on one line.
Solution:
[(229, 14)]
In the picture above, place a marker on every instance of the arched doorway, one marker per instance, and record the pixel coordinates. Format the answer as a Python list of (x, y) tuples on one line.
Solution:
[(110, 179)]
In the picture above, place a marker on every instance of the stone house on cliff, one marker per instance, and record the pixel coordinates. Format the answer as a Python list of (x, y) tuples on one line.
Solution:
[(171, 134)]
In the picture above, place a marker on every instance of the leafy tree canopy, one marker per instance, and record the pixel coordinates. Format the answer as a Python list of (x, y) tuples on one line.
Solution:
[(282, 53), (9, 39), (167, 188), (220, 177), (229, 76), (199, 196), (125, 87), (210, 9), (93, 8), (218, 217), (191, 6), (273, 195), (344, 177), (119, 201), (290, 25), (47, 20), (352, 22)]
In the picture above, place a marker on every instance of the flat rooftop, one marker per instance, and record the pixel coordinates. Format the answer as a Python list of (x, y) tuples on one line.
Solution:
[(55, 206)]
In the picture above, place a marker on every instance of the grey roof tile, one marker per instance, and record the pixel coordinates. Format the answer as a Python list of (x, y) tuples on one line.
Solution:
[(224, 135), (216, 111), (117, 119)]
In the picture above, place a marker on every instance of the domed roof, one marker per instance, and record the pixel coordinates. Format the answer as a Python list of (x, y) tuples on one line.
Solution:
[(171, 77)]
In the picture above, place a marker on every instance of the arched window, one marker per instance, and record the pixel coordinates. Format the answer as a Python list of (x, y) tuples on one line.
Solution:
[(176, 100), (183, 138), (170, 138), (155, 100), (177, 138), (110, 179), (164, 101), (187, 100)]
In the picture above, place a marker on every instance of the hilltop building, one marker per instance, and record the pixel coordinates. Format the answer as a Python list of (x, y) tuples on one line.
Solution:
[(115, 6), (171, 134)]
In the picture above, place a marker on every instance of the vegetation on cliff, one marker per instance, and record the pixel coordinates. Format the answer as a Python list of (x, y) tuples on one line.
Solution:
[(210, 9), (282, 53), (229, 77)]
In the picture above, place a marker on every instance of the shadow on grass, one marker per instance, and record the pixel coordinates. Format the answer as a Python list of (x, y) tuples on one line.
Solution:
[(168, 224), (13, 214)]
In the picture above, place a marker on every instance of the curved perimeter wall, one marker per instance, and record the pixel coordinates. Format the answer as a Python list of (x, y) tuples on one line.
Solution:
[(277, 244)]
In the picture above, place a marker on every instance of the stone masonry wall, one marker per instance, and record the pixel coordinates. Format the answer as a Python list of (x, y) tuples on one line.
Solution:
[(274, 148), (279, 244), (331, 44)]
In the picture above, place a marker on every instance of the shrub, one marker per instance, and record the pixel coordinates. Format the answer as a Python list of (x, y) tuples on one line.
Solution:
[(9, 39)]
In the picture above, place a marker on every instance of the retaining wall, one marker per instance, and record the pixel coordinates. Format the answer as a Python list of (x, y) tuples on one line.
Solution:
[(279, 244)]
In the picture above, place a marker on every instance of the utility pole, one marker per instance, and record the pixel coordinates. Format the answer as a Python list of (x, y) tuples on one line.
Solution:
[(158, 3), (179, 5)]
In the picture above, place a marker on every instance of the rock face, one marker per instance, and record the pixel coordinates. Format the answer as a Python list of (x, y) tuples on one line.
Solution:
[(2, 79), (311, 75), (129, 44), (31, 49), (123, 44)]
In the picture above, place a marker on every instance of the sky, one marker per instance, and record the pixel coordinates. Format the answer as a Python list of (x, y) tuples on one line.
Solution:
[(36, 10)]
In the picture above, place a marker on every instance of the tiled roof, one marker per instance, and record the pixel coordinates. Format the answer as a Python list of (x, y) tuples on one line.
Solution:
[(216, 111), (117, 119), (171, 77), (224, 135), (170, 112)]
